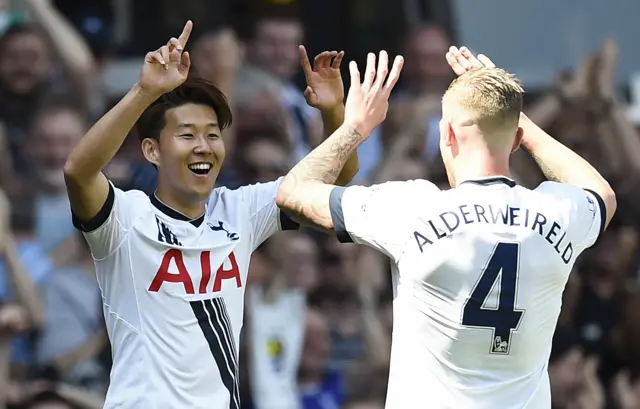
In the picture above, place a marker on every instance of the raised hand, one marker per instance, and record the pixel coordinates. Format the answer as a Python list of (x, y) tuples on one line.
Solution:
[(167, 67), (608, 65), (325, 90), (368, 101), (462, 60)]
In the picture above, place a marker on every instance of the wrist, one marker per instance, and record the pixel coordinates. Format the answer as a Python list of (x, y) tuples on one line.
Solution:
[(336, 111), (362, 129), (143, 95)]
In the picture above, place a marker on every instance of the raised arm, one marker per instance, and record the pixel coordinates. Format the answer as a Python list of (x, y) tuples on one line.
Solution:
[(557, 162), (304, 193), (87, 187), (325, 91), (73, 50)]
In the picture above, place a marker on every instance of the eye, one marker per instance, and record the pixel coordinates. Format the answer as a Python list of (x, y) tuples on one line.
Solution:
[(213, 136), (186, 135)]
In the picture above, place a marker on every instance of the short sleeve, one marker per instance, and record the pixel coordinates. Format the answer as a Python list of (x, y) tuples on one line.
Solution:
[(587, 211), (109, 228), (264, 215), (380, 216)]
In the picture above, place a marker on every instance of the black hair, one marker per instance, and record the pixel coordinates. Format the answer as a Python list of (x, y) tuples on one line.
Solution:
[(21, 28), (194, 90), (57, 104), (290, 13)]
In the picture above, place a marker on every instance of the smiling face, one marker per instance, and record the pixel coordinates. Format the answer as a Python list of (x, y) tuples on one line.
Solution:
[(190, 151), (182, 137)]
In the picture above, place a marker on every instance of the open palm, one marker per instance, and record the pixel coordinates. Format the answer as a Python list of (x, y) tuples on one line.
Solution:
[(325, 89)]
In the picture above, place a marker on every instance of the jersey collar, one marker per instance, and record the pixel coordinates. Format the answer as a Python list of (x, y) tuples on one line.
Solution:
[(173, 213), (490, 181)]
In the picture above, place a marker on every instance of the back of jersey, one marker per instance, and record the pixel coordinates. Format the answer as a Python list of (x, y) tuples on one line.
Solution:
[(479, 276)]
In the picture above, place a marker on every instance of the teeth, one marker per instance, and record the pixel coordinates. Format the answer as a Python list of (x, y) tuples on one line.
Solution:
[(200, 166)]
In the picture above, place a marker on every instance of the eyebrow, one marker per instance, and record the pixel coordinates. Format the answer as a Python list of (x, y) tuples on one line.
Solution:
[(209, 125)]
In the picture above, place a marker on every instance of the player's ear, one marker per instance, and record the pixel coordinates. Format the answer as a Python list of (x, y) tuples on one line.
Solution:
[(518, 140), (450, 135), (151, 150)]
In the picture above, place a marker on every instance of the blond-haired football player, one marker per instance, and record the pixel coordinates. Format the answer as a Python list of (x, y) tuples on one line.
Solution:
[(478, 270)]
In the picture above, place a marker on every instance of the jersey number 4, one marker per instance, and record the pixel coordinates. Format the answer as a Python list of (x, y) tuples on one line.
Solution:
[(503, 319)]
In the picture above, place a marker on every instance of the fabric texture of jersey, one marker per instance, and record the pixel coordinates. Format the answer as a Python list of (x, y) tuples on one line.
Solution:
[(173, 291), (478, 276)]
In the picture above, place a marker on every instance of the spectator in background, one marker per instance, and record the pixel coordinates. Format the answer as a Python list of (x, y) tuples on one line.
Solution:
[(24, 265), (218, 56), (265, 157), (425, 78), (55, 130), (275, 320), (20, 309), (321, 387), (73, 335), (28, 74), (574, 381), (425, 71), (273, 49)]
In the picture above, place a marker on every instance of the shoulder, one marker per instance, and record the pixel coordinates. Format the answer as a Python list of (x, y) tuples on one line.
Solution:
[(127, 205), (556, 189), (132, 195), (568, 196), (246, 193), (414, 189)]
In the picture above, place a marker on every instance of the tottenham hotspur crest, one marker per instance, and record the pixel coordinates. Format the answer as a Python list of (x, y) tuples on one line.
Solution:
[(220, 227)]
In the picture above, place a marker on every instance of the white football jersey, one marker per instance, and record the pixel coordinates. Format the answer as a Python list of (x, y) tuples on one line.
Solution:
[(479, 272), (173, 291)]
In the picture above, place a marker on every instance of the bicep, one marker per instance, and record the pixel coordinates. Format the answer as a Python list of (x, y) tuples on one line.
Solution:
[(87, 198), (106, 230)]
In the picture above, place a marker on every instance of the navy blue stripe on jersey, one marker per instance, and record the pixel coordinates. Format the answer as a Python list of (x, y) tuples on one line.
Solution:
[(234, 353), (287, 223), (337, 216), (496, 180), (213, 320), (173, 213), (603, 210), (100, 218)]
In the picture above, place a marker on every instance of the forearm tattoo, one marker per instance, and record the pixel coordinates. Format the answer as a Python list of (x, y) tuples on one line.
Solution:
[(322, 165)]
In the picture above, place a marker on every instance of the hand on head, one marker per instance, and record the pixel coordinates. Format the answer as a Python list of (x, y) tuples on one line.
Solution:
[(462, 60)]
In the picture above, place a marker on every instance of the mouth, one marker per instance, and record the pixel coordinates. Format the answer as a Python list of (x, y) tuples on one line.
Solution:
[(200, 168)]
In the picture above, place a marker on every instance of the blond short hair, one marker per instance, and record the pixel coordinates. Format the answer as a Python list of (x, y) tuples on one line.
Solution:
[(491, 97)]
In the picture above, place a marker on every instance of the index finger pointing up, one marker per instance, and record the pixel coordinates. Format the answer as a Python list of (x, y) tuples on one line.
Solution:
[(304, 61), (186, 32)]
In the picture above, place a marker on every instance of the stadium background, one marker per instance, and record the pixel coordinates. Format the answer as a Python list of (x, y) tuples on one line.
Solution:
[(318, 314)]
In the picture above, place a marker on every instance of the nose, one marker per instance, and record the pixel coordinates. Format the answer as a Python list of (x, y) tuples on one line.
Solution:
[(202, 146)]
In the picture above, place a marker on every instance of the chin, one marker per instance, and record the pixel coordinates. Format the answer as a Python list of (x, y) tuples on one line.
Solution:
[(202, 192)]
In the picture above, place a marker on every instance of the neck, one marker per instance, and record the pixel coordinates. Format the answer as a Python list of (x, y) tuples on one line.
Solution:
[(481, 166), (192, 210)]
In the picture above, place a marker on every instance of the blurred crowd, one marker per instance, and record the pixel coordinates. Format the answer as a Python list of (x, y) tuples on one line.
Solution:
[(318, 313)]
